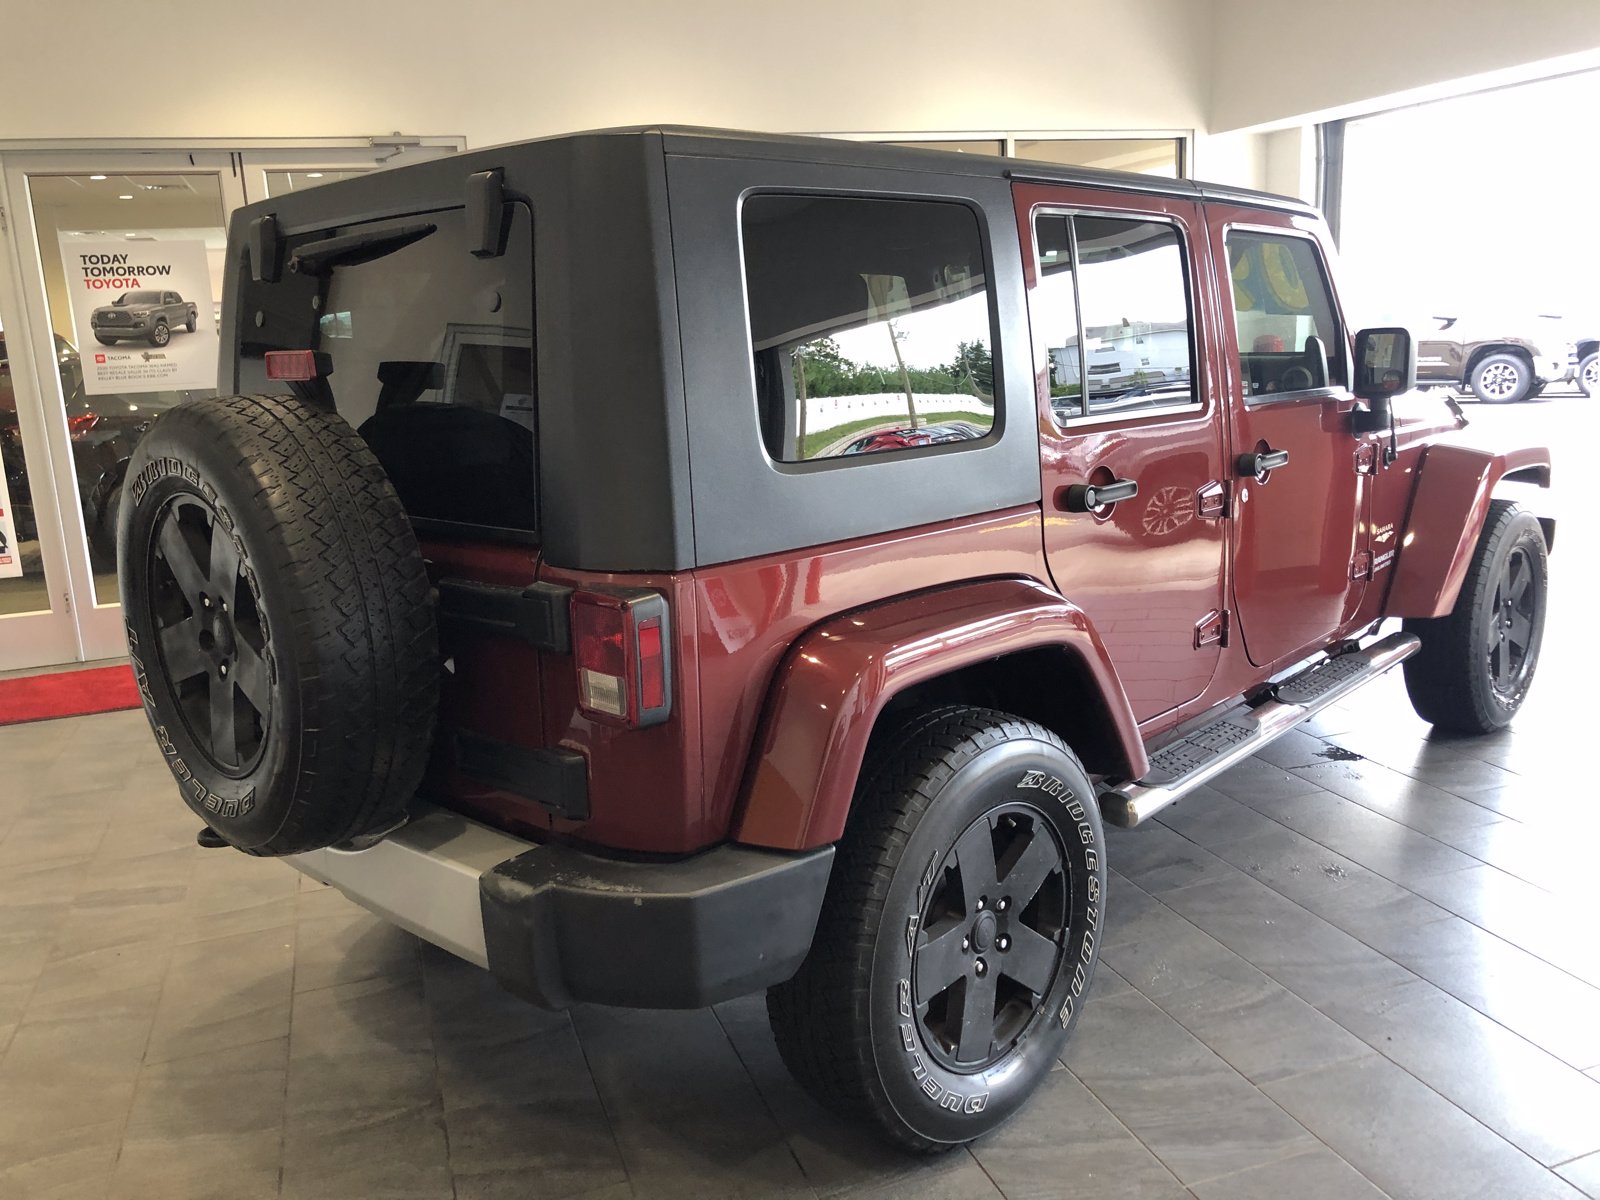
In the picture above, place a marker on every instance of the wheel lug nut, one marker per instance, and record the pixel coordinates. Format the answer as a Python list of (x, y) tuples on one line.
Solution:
[(981, 967), (1003, 905), (1002, 942), (205, 601), (983, 901), (966, 943), (224, 669)]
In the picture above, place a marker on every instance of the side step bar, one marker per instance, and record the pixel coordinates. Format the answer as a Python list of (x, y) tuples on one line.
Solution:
[(1204, 753)]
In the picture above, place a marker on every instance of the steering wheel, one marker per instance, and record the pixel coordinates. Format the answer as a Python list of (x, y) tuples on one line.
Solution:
[(1296, 379)]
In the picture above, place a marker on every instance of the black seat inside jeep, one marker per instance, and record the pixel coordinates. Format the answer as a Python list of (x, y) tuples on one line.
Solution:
[(451, 463)]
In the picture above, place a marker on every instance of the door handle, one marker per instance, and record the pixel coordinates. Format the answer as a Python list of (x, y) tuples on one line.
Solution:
[(1259, 462), (1086, 497)]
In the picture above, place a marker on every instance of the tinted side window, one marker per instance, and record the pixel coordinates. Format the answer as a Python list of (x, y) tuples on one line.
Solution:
[(870, 324), (432, 357), (1281, 302), (1111, 315)]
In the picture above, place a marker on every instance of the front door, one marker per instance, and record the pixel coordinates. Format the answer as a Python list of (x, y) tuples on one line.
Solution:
[(1127, 411), (1302, 561)]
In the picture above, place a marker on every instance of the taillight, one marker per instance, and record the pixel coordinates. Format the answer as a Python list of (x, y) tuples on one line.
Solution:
[(292, 366), (81, 424), (621, 647)]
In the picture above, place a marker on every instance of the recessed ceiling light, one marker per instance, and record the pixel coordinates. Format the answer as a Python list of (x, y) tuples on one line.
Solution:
[(97, 177), (124, 197), (313, 174)]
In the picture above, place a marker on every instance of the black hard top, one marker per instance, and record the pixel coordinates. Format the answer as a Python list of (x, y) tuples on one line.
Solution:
[(741, 143)]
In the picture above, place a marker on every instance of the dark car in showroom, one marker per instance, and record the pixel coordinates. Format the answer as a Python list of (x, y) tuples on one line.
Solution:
[(143, 315), (1495, 366), (104, 431)]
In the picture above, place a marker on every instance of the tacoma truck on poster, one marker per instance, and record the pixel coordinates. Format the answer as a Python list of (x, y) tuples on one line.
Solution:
[(661, 696), (147, 316)]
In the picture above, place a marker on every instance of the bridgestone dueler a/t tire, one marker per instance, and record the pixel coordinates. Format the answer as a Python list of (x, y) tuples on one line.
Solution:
[(1451, 678), (850, 1025), (280, 621)]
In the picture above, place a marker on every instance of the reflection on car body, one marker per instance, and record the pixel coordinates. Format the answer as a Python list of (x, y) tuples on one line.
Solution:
[(922, 435)]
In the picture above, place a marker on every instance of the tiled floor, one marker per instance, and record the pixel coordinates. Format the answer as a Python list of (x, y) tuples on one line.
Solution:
[(1328, 976), (1363, 964)]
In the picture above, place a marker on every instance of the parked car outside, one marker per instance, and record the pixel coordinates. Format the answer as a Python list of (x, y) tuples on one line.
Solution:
[(144, 315), (1496, 367), (658, 701), (1586, 365)]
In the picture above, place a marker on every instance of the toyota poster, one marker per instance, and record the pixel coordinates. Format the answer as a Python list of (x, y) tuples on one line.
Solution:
[(142, 313)]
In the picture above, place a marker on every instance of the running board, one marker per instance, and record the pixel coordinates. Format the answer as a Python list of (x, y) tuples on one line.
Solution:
[(1204, 753)]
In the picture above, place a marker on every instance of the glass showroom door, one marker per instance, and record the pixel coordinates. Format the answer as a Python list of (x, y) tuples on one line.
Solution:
[(120, 260), (36, 618)]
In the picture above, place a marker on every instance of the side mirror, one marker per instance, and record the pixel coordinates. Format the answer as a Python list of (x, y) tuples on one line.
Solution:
[(1386, 364)]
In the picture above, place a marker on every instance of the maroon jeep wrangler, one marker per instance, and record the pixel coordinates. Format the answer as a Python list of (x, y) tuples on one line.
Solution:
[(658, 565)]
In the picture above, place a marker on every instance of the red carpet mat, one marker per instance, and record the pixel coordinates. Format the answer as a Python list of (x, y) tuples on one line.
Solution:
[(67, 694)]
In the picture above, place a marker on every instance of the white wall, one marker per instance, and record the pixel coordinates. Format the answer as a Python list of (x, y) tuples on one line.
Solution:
[(1274, 61), (497, 71)]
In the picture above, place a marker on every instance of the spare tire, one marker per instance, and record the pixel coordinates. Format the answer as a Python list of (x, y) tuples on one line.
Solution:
[(280, 622)]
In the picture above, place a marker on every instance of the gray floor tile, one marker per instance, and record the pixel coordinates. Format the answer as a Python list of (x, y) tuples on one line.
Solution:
[(1583, 1174), (1067, 1143), (1198, 1115), (1319, 1174), (686, 1115), (1408, 1139), (1545, 1107)]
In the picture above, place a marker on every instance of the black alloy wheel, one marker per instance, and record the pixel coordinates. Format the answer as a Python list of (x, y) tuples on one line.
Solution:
[(1514, 614), (212, 642), (1477, 662), (959, 935), (280, 623), (990, 941)]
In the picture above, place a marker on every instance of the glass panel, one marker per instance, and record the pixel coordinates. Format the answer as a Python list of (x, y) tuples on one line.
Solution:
[(280, 183), (430, 356), (1281, 308), (870, 323), (22, 583), (1136, 326), (996, 148), (1138, 350), (147, 305), (1146, 156)]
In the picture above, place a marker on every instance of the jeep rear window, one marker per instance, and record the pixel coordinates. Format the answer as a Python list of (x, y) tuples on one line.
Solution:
[(432, 361), (870, 325)]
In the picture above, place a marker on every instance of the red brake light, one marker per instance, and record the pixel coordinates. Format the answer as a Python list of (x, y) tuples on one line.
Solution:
[(292, 366), (81, 424), (620, 649), (652, 665)]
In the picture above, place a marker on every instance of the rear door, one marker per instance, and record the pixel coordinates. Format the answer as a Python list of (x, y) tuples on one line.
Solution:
[(1125, 403), (427, 350), (1302, 558)]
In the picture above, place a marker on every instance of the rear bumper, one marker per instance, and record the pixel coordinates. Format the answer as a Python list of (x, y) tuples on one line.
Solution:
[(558, 926)]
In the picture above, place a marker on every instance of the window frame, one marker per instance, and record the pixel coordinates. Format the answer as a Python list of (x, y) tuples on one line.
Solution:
[(844, 461), (1339, 352), (1086, 419)]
